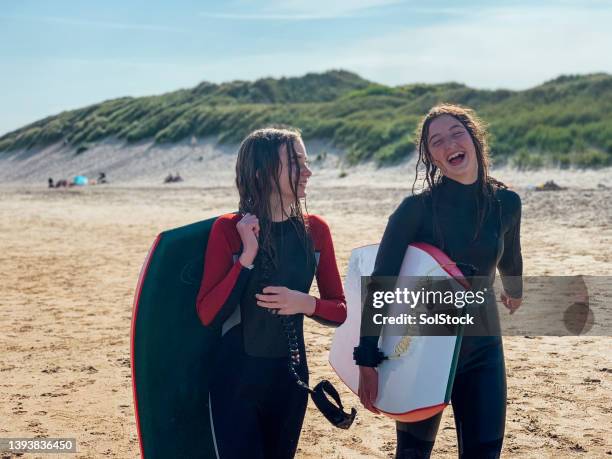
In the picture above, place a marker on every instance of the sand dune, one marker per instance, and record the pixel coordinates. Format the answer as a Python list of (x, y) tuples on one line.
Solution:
[(206, 163)]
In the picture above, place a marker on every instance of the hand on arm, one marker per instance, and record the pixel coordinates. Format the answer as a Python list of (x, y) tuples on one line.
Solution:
[(248, 229), (368, 388), (286, 301), (511, 303)]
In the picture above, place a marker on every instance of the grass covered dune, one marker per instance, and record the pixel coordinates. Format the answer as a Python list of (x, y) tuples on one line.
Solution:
[(565, 121)]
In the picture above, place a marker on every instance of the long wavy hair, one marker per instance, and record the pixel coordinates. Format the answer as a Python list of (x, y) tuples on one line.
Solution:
[(431, 174), (257, 179)]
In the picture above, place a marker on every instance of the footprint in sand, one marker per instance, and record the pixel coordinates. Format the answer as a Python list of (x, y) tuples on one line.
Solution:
[(78, 383), (51, 370), (89, 369), (19, 409), (124, 362), (37, 429)]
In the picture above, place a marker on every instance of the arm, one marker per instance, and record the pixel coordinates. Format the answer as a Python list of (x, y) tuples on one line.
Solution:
[(510, 264), (401, 230), (330, 308), (223, 280)]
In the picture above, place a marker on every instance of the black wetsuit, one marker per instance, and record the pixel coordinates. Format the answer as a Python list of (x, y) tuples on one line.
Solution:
[(479, 391), (256, 406)]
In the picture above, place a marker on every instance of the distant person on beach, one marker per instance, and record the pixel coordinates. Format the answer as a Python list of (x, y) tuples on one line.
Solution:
[(475, 220), (102, 178), (50, 182), (173, 178)]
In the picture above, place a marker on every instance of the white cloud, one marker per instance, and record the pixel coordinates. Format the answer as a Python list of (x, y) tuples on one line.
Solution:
[(514, 48), (89, 23), (508, 48), (266, 16), (303, 10), (337, 7)]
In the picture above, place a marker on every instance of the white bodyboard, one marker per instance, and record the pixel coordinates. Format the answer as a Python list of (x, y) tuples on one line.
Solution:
[(416, 382)]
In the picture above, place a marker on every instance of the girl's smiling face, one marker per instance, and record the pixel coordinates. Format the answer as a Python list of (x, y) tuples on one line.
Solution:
[(299, 170), (452, 149)]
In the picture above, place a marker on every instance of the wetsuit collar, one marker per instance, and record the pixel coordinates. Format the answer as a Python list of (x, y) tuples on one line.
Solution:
[(458, 185), (457, 192)]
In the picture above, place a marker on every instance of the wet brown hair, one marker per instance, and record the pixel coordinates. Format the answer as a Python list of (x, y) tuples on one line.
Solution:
[(432, 174), (257, 170)]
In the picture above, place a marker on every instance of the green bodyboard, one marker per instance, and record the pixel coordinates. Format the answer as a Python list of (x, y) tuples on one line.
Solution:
[(171, 350)]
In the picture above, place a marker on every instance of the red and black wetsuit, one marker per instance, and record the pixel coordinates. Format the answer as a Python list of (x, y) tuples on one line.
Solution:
[(257, 409), (479, 390)]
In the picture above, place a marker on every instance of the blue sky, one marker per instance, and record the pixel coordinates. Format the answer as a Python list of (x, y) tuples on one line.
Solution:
[(61, 54)]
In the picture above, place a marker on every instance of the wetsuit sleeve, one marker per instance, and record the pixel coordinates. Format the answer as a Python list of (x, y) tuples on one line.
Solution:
[(331, 306), (401, 230), (511, 262), (223, 280)]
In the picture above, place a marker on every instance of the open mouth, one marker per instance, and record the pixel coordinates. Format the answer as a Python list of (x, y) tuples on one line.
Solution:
[(456, 158)]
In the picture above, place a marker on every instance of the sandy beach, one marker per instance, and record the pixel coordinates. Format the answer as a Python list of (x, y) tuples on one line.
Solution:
[(70, 258)]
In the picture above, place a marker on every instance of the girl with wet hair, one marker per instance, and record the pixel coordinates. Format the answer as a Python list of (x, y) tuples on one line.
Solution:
[(259, 266), (475, 219)]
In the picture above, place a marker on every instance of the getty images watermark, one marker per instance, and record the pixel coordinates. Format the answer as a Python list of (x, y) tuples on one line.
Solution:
[(437, 306)]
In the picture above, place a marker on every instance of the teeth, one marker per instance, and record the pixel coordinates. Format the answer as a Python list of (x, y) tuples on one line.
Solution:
[(456, 155)]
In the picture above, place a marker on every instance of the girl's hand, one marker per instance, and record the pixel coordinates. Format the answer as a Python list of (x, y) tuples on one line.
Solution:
[(511, 303), (368, 388), (248, 229), (285, 301)]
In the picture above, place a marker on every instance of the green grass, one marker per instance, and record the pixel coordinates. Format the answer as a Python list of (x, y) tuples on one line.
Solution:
[(565, 121)]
